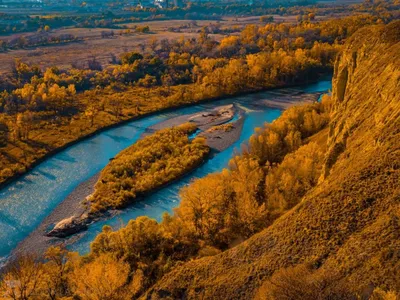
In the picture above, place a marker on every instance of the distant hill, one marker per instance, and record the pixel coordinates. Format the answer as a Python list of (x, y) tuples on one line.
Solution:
[(349, 224)]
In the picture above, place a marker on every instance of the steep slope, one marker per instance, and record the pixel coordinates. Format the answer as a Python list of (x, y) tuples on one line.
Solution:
[(351, 221)]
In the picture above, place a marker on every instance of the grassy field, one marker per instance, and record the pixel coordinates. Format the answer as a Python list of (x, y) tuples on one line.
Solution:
[(92, 45)]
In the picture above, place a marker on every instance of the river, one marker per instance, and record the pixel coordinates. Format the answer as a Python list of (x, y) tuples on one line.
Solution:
[(28, 200)]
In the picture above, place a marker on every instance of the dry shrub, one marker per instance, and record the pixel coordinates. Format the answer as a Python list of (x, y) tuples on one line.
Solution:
[(379, 294), (303, 283)]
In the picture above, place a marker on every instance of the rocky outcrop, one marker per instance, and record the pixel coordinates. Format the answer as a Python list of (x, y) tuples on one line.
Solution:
[(69, 226), (350, 221)]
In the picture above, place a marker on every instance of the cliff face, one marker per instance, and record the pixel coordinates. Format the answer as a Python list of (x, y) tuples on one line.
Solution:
[(365, 89), (350, 221)]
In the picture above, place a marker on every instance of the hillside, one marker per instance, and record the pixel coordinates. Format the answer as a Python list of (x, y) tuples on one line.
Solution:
[(348, 225)]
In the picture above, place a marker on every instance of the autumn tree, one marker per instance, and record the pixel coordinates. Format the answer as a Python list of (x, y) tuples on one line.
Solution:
[(91, 112), (304, 282), (23, 125), (59, 98), (56, 271), (167, 81), (229, 45), (148, 81), (204, 206), (115, 104), (288, 182), (130, 57), (23, 72), (299, 42), (22, 279), (3, 45), (247, 182), (3, 132), (266, 19), (102, 279)]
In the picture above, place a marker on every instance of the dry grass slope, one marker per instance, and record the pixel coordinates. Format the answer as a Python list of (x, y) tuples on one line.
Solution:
[(350, 221)]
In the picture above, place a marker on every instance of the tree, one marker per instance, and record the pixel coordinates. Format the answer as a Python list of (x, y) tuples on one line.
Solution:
[(249, 34), (23, 278), (102, 279), (299, 42), (287, 183), (229, 45), (142, 29), (24, 72), (204, 206), (3, 45), (3, 132), (115, 105), (130, 57), (59, 98), (266, 19), (203, 37), (94, 64), (167, 80), (22, 42), (247, 182), (55, 272), (47, 28), (148, 81), (24, 125), (91, 113), (302, 282)]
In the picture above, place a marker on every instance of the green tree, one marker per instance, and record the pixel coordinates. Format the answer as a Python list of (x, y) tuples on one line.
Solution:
[(130, 57)]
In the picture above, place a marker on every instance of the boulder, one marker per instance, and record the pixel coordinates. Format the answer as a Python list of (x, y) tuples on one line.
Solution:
[(68, 226)]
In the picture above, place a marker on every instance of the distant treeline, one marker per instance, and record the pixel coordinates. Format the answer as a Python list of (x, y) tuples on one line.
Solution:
[(39, 39)]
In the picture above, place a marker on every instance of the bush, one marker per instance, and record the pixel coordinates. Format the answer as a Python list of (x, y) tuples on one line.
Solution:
[(303, 283)]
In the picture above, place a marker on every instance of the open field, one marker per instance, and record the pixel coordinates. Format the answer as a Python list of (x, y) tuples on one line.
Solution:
[(65, 55), (91, 44)]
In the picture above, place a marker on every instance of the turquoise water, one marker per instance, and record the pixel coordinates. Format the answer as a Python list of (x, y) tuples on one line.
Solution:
[(27, 201)]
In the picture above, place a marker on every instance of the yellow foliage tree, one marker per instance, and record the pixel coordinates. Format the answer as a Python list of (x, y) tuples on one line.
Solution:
[(102, 279)]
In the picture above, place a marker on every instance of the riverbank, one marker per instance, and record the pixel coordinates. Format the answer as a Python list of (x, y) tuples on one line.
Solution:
[(38, 241), (72, 206)]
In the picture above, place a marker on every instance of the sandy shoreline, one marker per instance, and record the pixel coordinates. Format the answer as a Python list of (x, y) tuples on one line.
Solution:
[(37, 241)]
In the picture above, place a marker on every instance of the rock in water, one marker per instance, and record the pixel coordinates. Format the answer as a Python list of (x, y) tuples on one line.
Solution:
[(68, 227)]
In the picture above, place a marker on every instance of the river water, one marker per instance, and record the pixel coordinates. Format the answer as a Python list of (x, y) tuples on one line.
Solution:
[(27, 201)]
